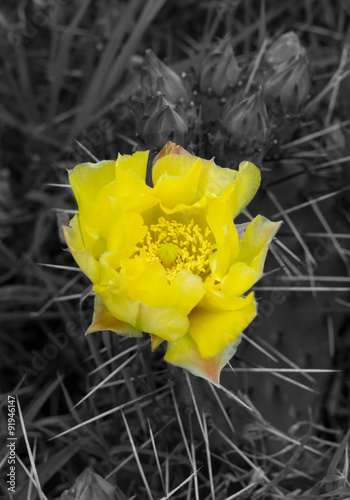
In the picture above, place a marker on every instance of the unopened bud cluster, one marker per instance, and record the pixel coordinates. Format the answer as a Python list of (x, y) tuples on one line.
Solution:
[(286, 82), (225, 110)]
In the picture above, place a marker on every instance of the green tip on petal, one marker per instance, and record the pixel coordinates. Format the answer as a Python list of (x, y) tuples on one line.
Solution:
[(184, 353), (155, 341), (104, 320)]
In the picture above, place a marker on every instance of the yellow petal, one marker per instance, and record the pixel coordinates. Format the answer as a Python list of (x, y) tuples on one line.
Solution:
[(100, 201), (83, 256), (172, 165), (239, 279), (131, 191), (166, 322), (185, 353), (176, 179), (130, 270), (104, 320), (212, 330), (125, 232), (217, 299), (87, 180), (96, 221), (246, 183), (73, 235), (136, 162), (183, 212), (188, 290), (255, 242), (214, 179), (226, 237), (248, 268), (120, 307), (151, 287)]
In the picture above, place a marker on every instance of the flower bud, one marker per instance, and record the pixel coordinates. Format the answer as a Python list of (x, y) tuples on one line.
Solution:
[(285, 49), (149, 107), (90, 485), (288, 86), (246, 125), (169, 122), (171, 148), (157, 76), (220, 71), (153, 104)]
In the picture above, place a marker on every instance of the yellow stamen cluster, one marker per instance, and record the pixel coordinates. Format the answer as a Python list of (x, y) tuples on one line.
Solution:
[(177, 246)]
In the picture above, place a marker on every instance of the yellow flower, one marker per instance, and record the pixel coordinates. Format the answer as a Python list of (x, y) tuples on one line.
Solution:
[(168, 260)]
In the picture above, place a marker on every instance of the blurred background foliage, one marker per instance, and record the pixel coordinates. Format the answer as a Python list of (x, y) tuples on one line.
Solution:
[(76, 83)]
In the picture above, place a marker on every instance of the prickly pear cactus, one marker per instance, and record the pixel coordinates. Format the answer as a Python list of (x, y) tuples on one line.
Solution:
[(262, 109), (233, 110)]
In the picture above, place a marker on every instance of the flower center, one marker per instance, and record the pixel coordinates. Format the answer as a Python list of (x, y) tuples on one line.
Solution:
[(167, 253), (177, 246)]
